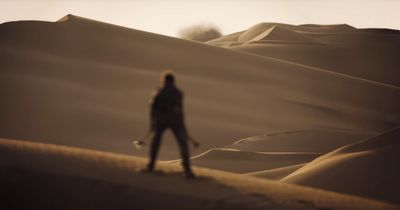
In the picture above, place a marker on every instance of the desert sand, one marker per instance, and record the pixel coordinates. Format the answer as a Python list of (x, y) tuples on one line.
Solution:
[(90, 81), (45, 176), (367, 168), (277, 173), (246, 161), (364, 53), (368, 54), (275, 101)]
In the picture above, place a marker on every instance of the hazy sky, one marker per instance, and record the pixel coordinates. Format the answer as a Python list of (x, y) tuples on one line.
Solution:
[(169, 16)]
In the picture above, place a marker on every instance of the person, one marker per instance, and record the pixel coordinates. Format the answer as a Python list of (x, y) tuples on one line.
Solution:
[(167, 113)]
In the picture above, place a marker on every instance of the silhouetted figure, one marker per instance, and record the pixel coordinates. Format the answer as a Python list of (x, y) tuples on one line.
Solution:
[(167, 112)]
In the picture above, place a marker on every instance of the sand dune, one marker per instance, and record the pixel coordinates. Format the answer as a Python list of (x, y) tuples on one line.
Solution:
[(277, 173), (89, 81), (334, 27), (260, 28), (43, 176), (239, 38), (365, 53), (248, 161), (363, 61), (367, 168), (312, 141), (300, 91), (275, 150), (275, 33)]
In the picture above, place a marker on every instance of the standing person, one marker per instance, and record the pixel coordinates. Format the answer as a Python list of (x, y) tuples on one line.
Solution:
[(167, 112)]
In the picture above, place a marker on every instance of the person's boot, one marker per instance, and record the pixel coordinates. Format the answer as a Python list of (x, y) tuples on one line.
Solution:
[(150, 167), (189, 174)]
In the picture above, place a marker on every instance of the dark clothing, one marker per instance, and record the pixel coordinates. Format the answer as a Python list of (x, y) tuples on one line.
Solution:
[(182, 142), (167, 112), (166, 106)]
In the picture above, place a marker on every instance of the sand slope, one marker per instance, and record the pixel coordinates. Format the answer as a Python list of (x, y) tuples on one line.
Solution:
[(43, 176), (277, 173), (367, 168), (249, 161), (276, 33), (312, 141), (365, 53), (281, 151), (90, 81)]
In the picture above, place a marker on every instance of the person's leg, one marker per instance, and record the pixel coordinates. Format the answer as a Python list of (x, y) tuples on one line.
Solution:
[(184, 150), (155, 146)]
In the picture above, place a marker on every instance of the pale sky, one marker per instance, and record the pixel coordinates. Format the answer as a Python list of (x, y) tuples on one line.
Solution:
[(169, 16)]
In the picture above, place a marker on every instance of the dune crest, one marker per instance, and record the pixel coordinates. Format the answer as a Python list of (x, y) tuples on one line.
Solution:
[(338, 48), (336, 27), (85, 83), (66, 18), (277, 173), (277, 34), (249, 161), (312, 141), (90, 81), (366, 168), (93, 179)]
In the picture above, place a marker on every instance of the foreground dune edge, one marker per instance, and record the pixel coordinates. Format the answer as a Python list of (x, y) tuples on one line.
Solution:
[(123, 169)]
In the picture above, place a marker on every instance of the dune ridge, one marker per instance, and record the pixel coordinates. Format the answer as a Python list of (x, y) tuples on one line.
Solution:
[(281, 151), (115, 177), (277, 34), (249, 161), (277, 173), (61, 83), (363, 53), (365, 168), (299, 141), (299, 92)]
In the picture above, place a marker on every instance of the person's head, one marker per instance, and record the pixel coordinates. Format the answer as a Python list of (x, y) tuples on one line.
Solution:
[(167, 78)]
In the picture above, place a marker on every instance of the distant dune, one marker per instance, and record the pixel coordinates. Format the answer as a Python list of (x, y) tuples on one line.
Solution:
[(311, 141), (89, 81), (367, 168), (43, 176), (365, 53), (315, 105), (247, 161), (275, 33), (277, 173), (275, 155)]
